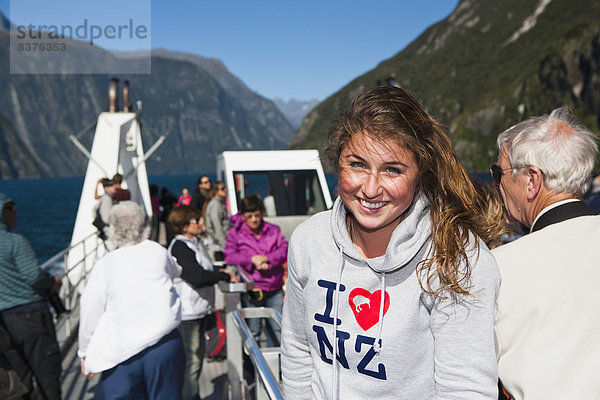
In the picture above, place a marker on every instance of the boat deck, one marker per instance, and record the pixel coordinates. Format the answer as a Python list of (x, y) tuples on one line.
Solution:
[(75, 386)]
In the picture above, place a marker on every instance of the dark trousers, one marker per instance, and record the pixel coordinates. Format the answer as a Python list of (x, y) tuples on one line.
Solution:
[(155, 373), (35, 350)]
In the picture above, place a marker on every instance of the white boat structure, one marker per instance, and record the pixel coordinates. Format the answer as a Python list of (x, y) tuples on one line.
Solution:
[(117, 148), (291, 183), (293, 186)]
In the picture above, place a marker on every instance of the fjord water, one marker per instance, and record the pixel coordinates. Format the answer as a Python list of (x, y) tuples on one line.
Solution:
[(47, 207)]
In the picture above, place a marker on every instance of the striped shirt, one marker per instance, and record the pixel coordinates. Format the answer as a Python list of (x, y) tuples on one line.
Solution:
[(19, 271)]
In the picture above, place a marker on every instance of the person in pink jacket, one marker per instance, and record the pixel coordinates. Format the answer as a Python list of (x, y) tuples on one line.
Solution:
[(258, 248), (185, 198)]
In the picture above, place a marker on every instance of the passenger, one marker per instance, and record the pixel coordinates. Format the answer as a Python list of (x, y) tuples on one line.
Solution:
[(98, 183), (120, 193), (24, 311), (185, 198), (592, 197), (167, 202), (104, 206), (493, 214), (201, 192), (412, 316), (269, 202), (259, 248), (216, 218), (155, 202), (196, 289), (128, 314), (547, 341)]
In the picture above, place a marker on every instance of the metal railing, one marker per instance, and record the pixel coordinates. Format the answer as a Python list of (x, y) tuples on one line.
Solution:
[(75, 262), (265, 361), (240, 339)]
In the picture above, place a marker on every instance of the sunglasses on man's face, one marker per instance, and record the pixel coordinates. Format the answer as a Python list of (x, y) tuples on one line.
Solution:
[(496, 171)]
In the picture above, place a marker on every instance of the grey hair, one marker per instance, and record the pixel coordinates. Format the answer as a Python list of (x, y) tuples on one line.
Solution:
[(127, 224), (565, 154)]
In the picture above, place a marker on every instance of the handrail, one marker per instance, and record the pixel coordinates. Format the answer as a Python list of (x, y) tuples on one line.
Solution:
[(62, 253), (266, 375), (239, 287), (81, 256)]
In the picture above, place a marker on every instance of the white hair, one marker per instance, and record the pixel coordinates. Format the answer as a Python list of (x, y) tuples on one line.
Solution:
[(563, 149), (127, 224)]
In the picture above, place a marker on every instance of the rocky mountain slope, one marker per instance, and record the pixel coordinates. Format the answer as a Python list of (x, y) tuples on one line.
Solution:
[(200, 105), (487, 66)]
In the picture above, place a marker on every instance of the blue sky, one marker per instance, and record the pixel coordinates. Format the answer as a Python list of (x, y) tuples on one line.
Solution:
[(301, 49)]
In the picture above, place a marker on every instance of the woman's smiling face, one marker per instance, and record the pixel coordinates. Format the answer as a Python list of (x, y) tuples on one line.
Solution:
[(378, 181)]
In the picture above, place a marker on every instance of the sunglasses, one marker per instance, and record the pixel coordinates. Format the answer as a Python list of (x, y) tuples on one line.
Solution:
[(496, 171)]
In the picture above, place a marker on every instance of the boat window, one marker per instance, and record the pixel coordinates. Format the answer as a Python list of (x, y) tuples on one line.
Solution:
[(290, 192)]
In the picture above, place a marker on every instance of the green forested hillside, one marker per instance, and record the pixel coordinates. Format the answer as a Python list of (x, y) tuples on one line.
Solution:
[(487, 66)]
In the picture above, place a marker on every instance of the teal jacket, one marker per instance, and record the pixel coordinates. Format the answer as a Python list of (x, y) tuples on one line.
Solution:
[(21, 280)]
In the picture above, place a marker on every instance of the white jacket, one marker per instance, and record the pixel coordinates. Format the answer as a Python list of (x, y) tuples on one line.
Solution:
[(128, 305), (547, 338)]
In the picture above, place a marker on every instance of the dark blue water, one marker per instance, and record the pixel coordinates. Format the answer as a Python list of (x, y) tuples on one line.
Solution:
[(47, 207)]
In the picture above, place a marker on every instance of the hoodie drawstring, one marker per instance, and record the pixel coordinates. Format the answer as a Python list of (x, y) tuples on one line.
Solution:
[(336, 295), (377, 344)]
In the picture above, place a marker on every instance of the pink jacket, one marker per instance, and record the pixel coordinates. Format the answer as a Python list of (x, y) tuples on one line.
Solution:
[(184, 201), (241, 245)]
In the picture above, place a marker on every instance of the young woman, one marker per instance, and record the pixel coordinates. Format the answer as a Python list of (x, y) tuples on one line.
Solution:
[(260, 249), (391, 294), (196, 289)]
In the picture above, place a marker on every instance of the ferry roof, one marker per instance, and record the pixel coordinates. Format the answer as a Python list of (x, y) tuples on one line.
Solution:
[(269, 160)]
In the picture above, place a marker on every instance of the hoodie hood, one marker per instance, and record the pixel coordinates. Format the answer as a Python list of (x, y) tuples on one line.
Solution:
[(406, 241), (3, 200)]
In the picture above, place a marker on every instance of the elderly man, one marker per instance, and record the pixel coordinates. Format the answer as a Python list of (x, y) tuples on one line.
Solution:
[(547, 340)]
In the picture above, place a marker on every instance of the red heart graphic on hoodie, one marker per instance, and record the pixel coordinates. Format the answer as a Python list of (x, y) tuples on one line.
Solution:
[(365, 306)]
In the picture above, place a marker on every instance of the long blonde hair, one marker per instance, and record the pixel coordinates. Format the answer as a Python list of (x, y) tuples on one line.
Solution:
[(391, 113)]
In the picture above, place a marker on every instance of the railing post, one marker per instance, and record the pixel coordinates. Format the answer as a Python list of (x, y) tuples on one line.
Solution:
[(267, 381), (235, 358)]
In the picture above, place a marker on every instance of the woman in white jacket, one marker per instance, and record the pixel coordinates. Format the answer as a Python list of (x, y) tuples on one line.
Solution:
[(196, 288), (129, 314)]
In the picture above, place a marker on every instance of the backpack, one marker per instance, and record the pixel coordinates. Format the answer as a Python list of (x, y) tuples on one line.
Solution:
[(216, 337)]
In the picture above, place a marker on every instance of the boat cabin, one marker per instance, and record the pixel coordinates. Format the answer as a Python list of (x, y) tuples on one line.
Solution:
[(291, 183)]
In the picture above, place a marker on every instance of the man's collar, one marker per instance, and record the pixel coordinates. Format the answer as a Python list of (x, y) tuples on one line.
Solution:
[(553, 214)]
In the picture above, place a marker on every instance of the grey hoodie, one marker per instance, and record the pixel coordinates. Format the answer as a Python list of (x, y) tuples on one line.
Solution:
[(410, 347)]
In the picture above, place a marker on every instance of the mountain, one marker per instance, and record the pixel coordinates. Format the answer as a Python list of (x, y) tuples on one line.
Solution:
[(201, 107), (295, 110), (487, 66), (4, 22)]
